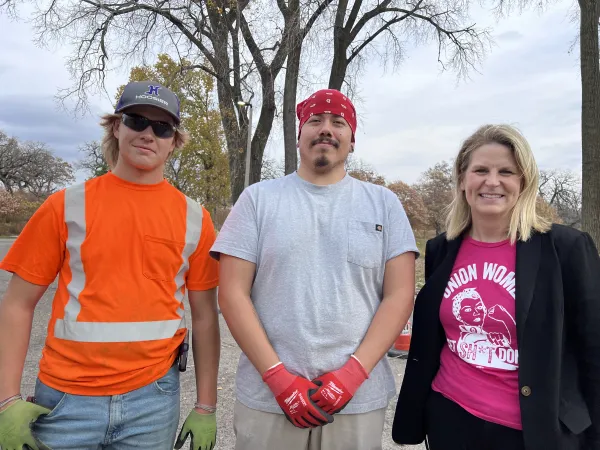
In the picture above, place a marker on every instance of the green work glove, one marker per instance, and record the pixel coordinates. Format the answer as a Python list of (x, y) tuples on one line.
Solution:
[(15, 426), (202, 427)]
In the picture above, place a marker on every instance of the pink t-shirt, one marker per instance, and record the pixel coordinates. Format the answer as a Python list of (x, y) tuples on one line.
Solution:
[(479, 366)]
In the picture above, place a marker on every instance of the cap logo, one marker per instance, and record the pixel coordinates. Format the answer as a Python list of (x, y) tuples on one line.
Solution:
[(153, 90)]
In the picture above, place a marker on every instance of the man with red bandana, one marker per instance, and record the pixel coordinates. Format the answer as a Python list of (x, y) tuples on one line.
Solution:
[(317, 281)]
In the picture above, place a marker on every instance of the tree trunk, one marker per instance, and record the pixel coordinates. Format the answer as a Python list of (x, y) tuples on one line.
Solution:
[(290, 93), (263, 128), (590, 117), (235, 134), (339, 64), (235, 138)]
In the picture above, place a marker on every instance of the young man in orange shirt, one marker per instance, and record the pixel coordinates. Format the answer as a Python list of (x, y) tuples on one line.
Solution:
[(126, 246)]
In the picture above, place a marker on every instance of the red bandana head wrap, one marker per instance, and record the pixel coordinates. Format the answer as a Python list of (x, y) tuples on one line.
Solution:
[(327, 101)]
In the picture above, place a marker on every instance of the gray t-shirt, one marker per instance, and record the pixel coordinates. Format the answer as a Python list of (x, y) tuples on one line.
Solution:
[(320, 254)]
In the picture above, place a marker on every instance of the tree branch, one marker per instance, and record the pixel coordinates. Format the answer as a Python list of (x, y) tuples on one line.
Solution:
[(251, 43), (373, 36), (202, 67), (320, 9), (379, 10)]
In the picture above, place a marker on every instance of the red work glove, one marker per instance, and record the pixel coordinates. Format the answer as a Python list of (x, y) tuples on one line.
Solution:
[(338, 387), (293, 396)]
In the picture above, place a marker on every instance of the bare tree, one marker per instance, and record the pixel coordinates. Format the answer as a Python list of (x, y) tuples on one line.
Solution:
[(93, 162), (47, 173), (435, 188), (31, 167), (11, 162), (126, 31), (369, 28), (359, 23), (363, 171), (117, 33), (561, 189), (272, 169)]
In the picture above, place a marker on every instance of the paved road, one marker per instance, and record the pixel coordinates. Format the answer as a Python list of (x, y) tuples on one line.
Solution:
[(229, 356)]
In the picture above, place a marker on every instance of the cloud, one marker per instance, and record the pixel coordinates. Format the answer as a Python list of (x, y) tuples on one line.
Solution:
[(419, 116), (37, 118), (512, 35), (408, 120)]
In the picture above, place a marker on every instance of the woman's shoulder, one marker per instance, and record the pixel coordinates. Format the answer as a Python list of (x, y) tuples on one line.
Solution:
[(436, 242), (569, 242), (436, 246), (565, 235)]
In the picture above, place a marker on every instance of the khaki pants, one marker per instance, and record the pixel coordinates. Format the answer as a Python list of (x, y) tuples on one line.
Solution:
[(257, 430)]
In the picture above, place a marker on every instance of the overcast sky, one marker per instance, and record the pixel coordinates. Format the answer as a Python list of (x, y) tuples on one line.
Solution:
[(409, 120)]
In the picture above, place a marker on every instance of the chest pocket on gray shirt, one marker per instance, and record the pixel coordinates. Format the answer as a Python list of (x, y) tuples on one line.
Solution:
[(365, 243)]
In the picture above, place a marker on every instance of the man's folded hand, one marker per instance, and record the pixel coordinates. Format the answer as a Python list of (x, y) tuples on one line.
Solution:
[(293, 396), (337, 388)]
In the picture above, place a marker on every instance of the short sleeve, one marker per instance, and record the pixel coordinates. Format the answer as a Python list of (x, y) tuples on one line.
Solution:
[(239, 234), (38, 253), (400, 236), (204, 270)]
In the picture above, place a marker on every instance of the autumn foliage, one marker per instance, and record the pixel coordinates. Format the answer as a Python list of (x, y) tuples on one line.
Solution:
[(15, 210), (426, 202)]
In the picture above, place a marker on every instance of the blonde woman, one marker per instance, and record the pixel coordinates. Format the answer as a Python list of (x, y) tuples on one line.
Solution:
[(505, 351)]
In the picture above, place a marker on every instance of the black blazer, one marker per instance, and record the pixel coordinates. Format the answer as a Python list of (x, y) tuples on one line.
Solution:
[(558, 328)]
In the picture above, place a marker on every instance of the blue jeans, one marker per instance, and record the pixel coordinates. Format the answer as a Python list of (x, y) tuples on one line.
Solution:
[(146, 418)]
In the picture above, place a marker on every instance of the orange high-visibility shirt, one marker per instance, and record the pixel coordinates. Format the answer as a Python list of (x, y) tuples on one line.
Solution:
[(125, 254)]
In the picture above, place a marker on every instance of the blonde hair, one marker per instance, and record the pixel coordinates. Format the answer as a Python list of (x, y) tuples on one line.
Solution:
[(524, 217), (110, 144)]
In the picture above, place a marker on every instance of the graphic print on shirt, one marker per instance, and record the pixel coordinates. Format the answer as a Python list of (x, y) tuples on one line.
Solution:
[(485, 338), (478, 344)]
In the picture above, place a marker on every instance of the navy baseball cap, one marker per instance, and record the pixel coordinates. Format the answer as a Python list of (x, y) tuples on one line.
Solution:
[(149, 93)]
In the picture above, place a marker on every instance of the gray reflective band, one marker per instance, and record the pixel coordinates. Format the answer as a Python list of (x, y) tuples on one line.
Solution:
[(71, 329), (76, 227), (117, 331), (193, 229)]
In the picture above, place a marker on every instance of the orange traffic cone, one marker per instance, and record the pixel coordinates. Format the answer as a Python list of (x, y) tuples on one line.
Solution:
[(402, 343)]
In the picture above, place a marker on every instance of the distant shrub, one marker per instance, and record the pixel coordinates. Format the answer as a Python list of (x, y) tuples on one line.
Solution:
[(15, 211)]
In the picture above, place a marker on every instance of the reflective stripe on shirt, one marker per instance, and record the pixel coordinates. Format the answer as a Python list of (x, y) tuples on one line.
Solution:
[(70, 328)]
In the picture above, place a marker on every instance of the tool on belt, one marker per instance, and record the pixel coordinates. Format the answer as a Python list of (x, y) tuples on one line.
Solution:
[(182, 356)]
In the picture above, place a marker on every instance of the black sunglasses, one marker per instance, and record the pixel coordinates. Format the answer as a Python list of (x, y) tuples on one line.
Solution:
[(161, 130)]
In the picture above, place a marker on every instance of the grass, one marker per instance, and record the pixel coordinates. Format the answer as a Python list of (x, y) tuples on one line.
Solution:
[(9, 229), (420, 264)]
